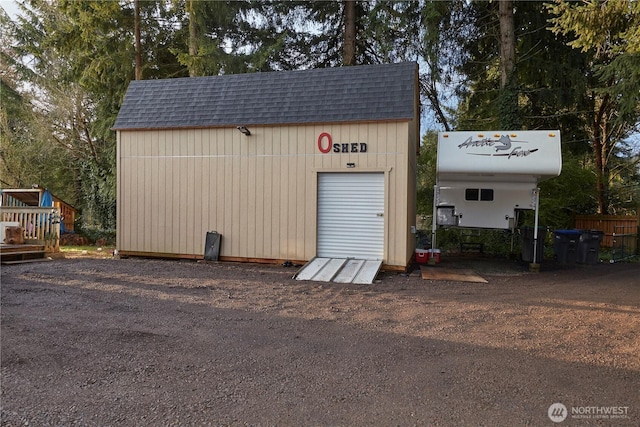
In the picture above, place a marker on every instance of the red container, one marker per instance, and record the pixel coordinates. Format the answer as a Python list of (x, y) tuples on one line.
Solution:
[(422, 256)]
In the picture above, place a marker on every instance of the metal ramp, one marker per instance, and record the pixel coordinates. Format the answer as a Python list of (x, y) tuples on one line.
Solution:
[(340, 270)]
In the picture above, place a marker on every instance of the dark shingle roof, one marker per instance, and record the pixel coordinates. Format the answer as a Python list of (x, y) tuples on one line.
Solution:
[(345, 94)]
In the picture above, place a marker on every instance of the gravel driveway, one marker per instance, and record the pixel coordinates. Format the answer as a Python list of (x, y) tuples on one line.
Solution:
[(136, 342)]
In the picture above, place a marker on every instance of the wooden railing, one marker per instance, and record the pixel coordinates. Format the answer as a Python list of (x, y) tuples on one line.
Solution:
[(41, 225)]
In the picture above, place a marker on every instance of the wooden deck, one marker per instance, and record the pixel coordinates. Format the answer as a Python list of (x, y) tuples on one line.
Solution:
[(40, 231), (14, 254)]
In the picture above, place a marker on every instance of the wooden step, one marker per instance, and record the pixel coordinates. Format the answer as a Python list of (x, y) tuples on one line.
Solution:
[(25, 261), (14, 254)]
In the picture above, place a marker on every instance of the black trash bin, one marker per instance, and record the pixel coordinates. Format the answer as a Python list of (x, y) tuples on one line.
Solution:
[(589, 246), (565, 245), (527, 243)]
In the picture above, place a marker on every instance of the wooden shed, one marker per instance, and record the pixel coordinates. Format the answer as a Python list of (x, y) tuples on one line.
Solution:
[(283, 165)]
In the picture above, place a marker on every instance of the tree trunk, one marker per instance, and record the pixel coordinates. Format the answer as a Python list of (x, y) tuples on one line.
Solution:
[(507, 42), (601, 148), (428, 86), (508, 98), (349, 33), (136, 25), (193, 37)]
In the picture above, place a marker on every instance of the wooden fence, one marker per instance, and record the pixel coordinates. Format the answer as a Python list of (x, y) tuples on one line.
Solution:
[(41, 225), (610, 225)]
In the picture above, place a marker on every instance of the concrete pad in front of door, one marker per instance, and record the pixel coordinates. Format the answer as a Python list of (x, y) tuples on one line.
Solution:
[(340, 270), (454, 274)]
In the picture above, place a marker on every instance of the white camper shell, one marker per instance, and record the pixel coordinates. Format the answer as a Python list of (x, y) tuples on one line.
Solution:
[(484, 178)]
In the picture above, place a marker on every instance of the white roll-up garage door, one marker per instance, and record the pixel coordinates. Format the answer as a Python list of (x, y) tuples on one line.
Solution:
[(351, 215)]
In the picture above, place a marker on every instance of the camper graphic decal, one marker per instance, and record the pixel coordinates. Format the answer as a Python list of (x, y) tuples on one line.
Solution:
[(503, 143)]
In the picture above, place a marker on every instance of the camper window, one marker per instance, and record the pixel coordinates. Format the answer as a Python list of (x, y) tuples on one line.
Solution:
[(486, 194), (475, 194)]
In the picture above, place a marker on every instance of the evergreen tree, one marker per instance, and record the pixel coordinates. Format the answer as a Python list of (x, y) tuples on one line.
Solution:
[(607, 34)]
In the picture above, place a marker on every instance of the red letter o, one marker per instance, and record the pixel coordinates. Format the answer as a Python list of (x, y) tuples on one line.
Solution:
[(324, 150)]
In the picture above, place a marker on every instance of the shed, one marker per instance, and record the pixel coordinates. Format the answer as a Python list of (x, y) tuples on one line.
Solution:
[(285, 166)]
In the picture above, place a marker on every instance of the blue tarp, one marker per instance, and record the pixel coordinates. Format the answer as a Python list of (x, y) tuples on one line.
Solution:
[(46, 202), (47, 199)]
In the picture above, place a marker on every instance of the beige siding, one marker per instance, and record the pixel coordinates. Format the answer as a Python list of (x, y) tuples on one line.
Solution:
[(259, 191)]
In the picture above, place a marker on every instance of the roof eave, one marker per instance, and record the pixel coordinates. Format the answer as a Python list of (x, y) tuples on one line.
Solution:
[(239, 123)]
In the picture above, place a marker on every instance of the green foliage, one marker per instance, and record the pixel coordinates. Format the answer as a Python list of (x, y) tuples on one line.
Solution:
[(606, 33), (98, 234), (572, 193), (217, 31), (26, 155), (547, 87), (75, 80), (609, 33), (312, 33), (426, 173), (495, 242), (508, 109), (610, 26)]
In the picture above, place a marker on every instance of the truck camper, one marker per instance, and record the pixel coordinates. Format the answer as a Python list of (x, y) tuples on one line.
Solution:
[(483, 179)]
